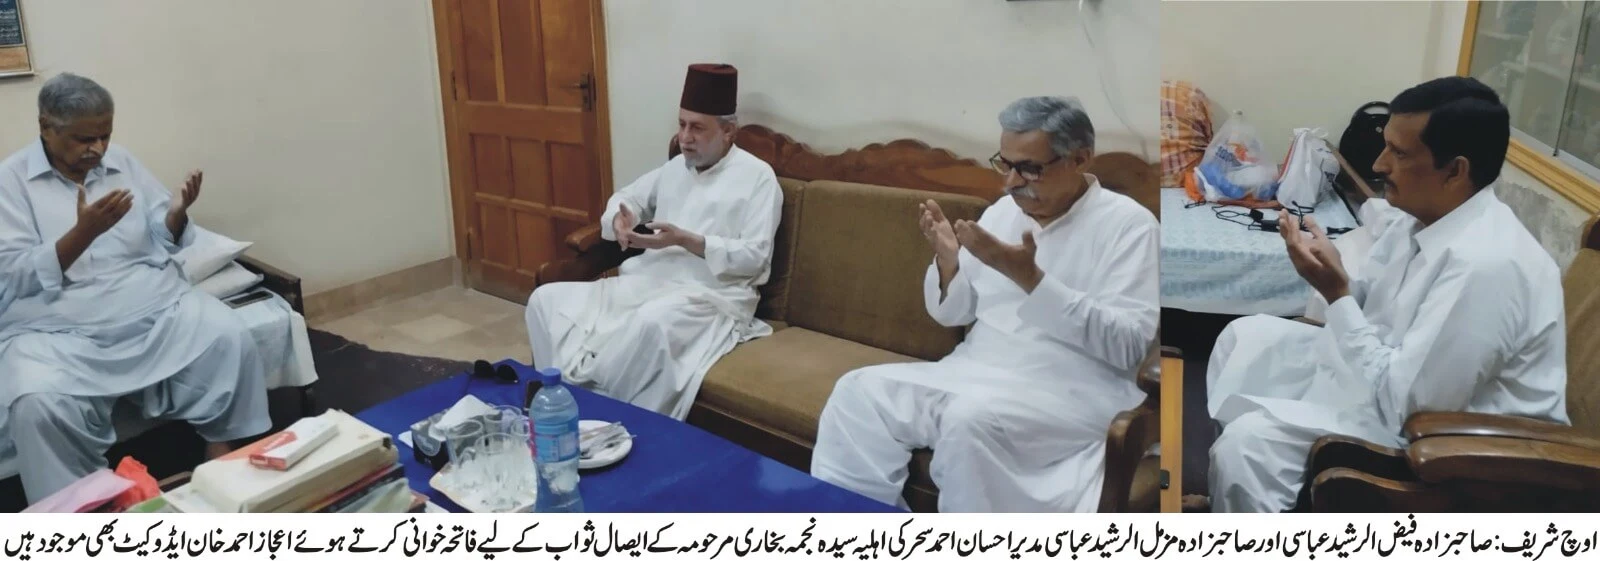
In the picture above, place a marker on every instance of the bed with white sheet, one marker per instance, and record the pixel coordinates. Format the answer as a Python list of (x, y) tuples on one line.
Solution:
[(1210, 265)]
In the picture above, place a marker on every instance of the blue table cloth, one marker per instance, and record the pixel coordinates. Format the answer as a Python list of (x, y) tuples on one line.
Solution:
[(1213, 266), (674, 467)]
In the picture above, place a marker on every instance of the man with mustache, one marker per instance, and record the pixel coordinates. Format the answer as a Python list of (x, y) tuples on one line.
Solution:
[(709, 216), (93, 308), (1458, 309), (1058, 284)]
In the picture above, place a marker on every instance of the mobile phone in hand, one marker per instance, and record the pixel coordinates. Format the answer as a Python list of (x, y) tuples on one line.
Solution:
[(640, 229)]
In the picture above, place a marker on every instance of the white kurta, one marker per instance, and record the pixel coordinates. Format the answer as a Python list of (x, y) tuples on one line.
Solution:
[(1463, 315), (121, 321), (649, 335), (1017, 414)]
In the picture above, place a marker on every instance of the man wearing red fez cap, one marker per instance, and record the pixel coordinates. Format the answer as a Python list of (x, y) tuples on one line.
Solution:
[(1057, 285), (706, 221)]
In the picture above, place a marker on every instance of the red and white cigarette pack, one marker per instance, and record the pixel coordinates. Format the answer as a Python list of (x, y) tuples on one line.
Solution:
[(281, 451)]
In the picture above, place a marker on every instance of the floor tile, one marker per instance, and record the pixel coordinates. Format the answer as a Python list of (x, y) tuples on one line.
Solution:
[(433, 328)]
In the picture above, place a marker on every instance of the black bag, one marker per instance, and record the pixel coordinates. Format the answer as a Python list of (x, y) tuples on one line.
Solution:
[(1363, 139)]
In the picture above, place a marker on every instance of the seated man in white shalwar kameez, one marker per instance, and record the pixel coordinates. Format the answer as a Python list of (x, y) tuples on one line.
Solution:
[(1458, 308), (96, 307), (649, 335), (1058, 283)]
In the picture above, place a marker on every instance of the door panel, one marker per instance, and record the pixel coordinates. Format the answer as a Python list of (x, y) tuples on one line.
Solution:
[(523, 117)]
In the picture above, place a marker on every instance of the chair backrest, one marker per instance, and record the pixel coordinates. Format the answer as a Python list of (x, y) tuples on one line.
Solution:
[(1581, 291), (859, 263)]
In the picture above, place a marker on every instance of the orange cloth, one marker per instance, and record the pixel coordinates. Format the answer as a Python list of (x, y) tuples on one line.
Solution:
[(144, 487), (1186, 130)]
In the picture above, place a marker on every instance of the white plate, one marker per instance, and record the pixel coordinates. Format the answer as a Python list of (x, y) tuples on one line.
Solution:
[(609, 456), (442, 482)]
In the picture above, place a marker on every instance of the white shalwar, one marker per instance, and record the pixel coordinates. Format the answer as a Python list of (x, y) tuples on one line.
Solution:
[(649, 335), (121, 323), (1017, 414), (1463, 315)]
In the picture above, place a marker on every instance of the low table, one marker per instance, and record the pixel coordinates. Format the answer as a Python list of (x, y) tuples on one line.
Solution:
[(674, 467)]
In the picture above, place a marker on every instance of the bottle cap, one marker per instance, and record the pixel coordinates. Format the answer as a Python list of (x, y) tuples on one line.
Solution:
[(550, 376)]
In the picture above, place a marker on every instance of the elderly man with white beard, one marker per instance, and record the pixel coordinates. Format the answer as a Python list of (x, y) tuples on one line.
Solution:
[(1058, 285), (706, 220)]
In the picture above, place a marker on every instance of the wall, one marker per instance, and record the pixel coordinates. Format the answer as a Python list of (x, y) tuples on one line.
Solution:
[(838, 74), (1326, 59), (317, 123), (1297, 64)]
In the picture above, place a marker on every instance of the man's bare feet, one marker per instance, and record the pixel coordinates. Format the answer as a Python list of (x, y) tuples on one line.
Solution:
[(216, 450)]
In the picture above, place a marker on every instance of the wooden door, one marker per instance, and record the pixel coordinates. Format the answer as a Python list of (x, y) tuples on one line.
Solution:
[(524, 84)]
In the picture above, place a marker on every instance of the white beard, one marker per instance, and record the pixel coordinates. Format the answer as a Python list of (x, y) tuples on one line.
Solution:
[(705, 159)]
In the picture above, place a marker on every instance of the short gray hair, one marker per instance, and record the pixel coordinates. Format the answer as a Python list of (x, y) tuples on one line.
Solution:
[(68, 97), (728, 120), (1063, 118)]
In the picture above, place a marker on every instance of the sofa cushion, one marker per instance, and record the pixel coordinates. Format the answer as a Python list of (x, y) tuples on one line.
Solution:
[(1143, 496), (775, 293), (784, 379), (859, 262)]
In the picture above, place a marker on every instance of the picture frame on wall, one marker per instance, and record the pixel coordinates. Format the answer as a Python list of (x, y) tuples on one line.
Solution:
[(15, 57)]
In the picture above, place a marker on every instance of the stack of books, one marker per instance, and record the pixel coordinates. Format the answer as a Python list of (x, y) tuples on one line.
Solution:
[(342, 465)]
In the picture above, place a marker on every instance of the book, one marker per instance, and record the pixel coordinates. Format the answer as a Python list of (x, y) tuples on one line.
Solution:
[(359, 490), (286, 448), (231, 484)]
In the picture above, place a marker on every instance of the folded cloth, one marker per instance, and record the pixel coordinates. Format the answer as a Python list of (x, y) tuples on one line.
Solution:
[(85, 494)]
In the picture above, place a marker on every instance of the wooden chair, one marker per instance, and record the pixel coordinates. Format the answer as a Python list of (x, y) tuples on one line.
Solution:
[(1476, 462)]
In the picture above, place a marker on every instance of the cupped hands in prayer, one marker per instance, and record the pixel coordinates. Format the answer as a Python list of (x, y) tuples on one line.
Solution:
[(1015, 261), (623, 225), (1315, 257), (98, 217), (664, 234), (178, 213), (668, 235), (191, 191), (941, 236)]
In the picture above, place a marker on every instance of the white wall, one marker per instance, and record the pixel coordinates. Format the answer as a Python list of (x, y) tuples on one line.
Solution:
[(1300, 64), (839, 74), (317, 122)]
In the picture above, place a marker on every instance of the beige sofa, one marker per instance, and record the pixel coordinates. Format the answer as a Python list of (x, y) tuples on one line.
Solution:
[(845, 293)]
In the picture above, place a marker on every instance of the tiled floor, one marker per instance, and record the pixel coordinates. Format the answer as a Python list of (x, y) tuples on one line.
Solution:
[(453, 323)]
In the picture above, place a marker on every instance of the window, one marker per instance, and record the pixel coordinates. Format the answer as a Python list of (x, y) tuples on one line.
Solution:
[(1544, 60)]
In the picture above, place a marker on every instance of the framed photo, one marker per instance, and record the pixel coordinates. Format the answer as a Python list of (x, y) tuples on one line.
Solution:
[(15, 60)]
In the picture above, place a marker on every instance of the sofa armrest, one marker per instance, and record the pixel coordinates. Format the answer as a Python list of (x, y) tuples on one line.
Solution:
[(1435, 424), (585, 238), (1130, 436), (277, 281), (587, 266), (1498, 460)]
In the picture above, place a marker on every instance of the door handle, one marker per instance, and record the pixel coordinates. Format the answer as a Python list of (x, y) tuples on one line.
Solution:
[(586, 85)]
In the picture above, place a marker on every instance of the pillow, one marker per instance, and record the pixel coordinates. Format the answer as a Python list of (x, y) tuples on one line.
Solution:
[(209, 253), (231, 280)]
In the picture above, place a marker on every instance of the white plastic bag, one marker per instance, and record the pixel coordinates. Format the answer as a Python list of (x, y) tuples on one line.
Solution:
[(1235, 166), (1308, 171)]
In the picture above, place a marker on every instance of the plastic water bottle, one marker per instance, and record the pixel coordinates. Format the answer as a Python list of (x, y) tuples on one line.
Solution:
[(554, 414)]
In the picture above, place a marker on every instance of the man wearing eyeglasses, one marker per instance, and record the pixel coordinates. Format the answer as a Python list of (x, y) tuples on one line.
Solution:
[(1057, 283)]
